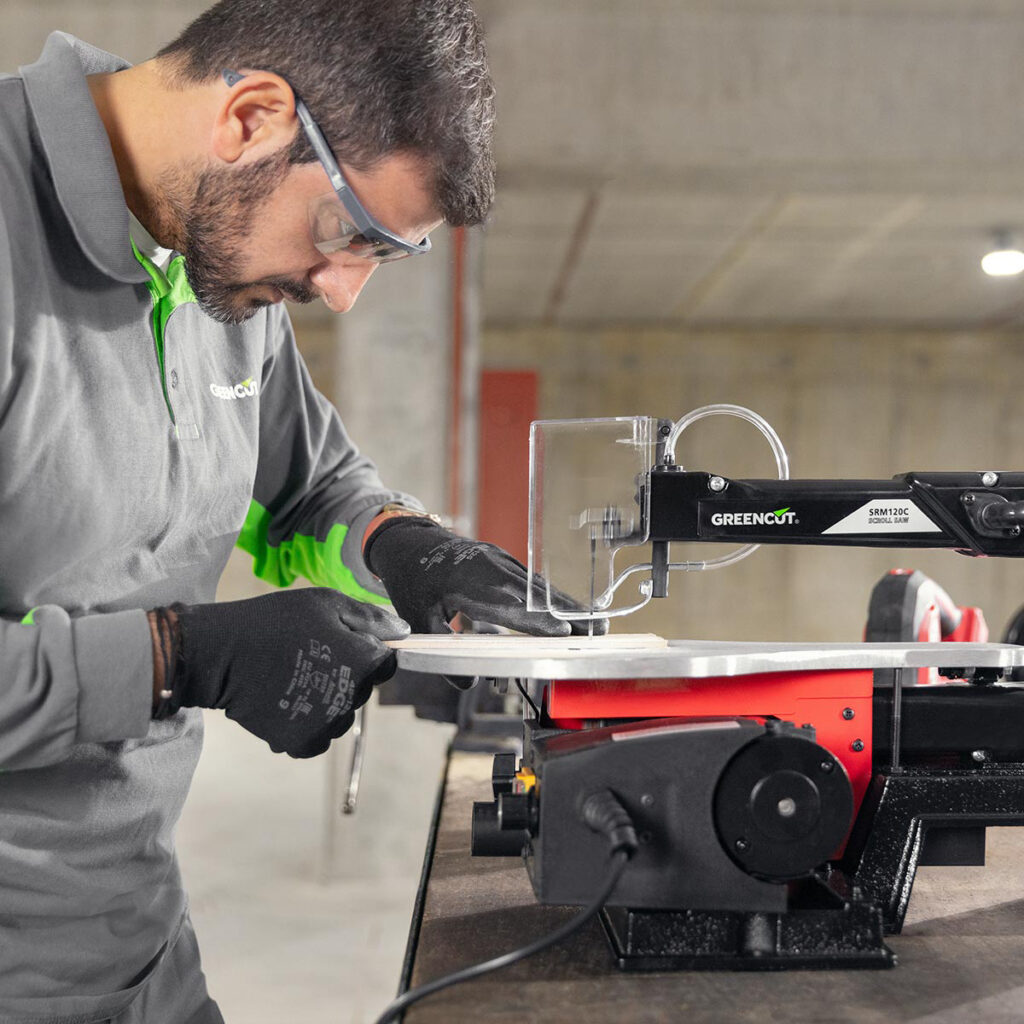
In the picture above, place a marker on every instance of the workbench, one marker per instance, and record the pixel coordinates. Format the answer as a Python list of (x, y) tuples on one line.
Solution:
[(961, 953)]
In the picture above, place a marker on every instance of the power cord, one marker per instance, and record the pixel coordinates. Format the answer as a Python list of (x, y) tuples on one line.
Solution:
[(603, 813)]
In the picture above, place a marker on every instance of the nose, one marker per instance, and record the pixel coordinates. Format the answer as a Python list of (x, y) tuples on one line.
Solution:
[(340, 283)]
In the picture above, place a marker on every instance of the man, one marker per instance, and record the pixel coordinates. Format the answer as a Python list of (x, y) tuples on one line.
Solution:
[(154, 411)]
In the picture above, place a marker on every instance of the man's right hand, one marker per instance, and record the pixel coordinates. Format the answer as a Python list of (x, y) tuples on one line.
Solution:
[(289, 667)]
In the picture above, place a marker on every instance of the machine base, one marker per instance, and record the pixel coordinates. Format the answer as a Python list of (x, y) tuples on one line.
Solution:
[(819, 931), (912, 816)]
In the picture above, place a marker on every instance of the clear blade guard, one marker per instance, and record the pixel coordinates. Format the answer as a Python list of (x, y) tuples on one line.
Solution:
[(589, 505)]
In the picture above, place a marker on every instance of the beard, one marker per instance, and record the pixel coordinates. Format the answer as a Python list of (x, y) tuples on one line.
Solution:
[(213, 210)]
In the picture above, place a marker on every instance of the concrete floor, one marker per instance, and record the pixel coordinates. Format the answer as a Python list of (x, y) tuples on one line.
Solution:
[(302, 914)]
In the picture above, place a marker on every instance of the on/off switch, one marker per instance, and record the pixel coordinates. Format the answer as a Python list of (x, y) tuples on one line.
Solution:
[(503, 774)]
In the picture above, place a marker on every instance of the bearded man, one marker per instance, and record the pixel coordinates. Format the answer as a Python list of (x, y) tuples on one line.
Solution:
[(154, 412)]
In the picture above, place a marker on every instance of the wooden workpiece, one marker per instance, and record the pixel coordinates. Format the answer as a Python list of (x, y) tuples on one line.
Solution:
[(484, 644)]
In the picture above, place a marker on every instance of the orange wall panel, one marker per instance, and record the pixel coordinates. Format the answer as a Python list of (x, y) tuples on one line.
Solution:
[(508, 404)]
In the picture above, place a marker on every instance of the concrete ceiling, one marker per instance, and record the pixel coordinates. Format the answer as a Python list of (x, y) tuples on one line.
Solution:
[(723, 162), (768, 162)]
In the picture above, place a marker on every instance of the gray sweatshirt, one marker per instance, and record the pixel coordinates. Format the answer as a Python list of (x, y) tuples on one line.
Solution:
[(139, 441)]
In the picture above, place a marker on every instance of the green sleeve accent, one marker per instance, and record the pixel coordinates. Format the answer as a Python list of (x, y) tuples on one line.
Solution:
[(30, 619), (318, 561)]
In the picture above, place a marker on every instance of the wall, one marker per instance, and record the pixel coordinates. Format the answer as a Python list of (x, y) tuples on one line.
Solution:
[(392, 373), (128, 28), (846, 404)]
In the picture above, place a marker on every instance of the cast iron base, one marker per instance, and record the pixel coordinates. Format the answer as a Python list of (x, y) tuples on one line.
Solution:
[(820, 930)]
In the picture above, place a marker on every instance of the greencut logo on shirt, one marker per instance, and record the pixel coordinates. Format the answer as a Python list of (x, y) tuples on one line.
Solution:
[(232, 392)]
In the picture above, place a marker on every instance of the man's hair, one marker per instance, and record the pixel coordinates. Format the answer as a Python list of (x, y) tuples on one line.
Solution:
[(380, 76)]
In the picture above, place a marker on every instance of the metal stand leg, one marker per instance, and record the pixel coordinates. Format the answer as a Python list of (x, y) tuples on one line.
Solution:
[(355, 772), (897, 713)]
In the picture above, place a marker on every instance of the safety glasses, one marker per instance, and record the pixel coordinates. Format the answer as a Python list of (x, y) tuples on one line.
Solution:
[(338, 222)]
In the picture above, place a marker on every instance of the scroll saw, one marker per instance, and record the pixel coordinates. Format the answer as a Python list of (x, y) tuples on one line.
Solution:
[(775, 800)]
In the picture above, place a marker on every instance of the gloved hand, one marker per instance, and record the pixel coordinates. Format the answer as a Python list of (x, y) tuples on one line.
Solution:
[(431, 574), (289, 667)]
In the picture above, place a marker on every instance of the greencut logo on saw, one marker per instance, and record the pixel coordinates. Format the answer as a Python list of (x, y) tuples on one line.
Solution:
[(780, 517)]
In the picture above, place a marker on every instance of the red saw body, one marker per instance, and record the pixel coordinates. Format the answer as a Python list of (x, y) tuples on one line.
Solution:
[(836, 704)]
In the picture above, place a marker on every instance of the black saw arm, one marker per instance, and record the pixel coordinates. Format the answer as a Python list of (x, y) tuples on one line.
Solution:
[(974, 513)]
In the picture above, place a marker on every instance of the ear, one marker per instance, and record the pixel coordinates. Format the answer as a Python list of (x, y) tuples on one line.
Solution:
[(256, 118)]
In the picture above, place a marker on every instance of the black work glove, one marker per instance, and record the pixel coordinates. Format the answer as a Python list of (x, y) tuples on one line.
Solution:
[(289, 667), (431, 574)]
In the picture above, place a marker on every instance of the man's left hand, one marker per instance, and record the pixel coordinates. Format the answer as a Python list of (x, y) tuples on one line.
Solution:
[(431, 574)]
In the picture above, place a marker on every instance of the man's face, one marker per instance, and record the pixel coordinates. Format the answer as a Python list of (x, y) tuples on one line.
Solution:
[(246, 238)]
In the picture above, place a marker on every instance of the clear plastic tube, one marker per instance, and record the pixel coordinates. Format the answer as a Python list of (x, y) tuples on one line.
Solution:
[(739, 411), (781, 462), (645, 587)]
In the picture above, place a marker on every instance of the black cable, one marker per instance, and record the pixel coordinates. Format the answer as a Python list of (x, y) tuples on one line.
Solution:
[(619, 859), (528, 699)]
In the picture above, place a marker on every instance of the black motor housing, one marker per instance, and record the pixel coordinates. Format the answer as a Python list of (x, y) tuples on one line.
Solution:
[(725, 810)]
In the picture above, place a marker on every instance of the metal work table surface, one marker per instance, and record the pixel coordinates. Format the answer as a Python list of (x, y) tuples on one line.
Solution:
[(961, 953), (652, 657)]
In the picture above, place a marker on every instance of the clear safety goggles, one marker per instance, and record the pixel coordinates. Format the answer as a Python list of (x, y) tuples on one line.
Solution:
[(338, 221), (334, 229)]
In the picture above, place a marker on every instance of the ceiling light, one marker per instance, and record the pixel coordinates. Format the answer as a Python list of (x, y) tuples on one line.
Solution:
[(1004, 259)]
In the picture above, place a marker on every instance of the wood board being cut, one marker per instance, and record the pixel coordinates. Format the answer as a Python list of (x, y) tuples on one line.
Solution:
[(500, 643)]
